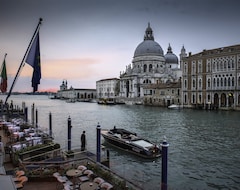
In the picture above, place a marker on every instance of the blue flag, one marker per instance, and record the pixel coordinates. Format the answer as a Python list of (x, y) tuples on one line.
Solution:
[(33, 59)]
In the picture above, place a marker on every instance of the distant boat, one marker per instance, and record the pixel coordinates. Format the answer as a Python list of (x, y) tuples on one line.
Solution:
[(108, 101), (175, 106), (130, 142), (71, 100), (52, 96)]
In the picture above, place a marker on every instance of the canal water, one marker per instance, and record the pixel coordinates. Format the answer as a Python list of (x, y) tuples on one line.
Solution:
[(204, 146)]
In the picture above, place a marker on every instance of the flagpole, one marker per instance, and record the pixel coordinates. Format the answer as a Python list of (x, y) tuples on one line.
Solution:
[(19, 69)]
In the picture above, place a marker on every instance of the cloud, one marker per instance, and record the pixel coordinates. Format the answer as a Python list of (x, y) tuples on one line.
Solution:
[(68, 68)]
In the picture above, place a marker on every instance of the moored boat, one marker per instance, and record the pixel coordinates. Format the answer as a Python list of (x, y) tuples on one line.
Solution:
[(130, 142), (175, 106)]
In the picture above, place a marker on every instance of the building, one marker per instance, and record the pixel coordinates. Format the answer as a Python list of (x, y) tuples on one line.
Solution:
[(75, 93), (107, 88), (149, 66), (163, 94), (211, 78)]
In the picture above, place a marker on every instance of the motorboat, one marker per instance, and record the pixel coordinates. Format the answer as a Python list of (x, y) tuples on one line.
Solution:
[(130, 142), (174, 106)]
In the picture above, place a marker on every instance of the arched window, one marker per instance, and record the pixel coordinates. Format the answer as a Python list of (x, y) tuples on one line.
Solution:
[(193, 83), (200, 83), (185, 68), (239, 82), (193, 68), (208, 98), (214, 82), (185, 83), (221, 81), (225, 81), (200, 98), (150, 68), (217, 82), (233, 81), (144, 68), (209, 83), (229, 81), (193, 98), (199, 68), (208, 67)]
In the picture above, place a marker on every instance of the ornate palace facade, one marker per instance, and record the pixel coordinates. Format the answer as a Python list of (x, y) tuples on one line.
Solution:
[(211, 78)]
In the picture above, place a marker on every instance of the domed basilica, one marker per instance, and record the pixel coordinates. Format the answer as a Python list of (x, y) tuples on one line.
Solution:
[(149, 67)]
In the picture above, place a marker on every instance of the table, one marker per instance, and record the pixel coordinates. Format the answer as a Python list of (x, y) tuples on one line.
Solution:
[(74, 173), (88, 186)]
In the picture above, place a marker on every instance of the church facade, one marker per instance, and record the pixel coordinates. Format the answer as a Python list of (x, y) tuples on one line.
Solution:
[(149, 67)]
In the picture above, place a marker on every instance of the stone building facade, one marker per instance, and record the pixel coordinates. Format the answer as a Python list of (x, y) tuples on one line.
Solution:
[(211, 78), (107, 88), (75, 93)]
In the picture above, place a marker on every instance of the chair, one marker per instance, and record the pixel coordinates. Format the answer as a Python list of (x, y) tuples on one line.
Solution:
[(56, 174), (106, 186), (21, 184), (18, 179), (62, 180), (81, 168), (88, 173), (98, 180), (19, 173)]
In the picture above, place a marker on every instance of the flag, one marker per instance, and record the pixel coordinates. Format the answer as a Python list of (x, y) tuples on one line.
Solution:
[(33, 59), (3, 84)]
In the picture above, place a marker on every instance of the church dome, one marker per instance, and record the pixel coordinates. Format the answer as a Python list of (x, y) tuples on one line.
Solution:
[(170, 57), (148, 46)]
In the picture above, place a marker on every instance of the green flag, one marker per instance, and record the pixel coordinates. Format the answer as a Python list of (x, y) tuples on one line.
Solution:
[(3, 85)]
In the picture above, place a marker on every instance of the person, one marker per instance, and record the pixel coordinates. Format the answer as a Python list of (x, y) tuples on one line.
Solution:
[(83, 141)]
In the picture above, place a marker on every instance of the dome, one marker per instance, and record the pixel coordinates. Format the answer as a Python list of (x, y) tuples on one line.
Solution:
[(148, 47), (170, 57)]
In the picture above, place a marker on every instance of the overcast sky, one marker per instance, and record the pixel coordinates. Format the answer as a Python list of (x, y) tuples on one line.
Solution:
[(83, 41)]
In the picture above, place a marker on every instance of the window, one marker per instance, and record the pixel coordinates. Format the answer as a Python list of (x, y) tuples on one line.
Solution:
[(185, 83), (208, 83), (150, 68), (145, 68), (185, 68), (193, 83), (214, 82), (193, 68), (199, 68), (200, 83)]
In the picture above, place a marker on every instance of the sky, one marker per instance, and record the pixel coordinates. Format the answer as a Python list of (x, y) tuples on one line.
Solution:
[(83, 41)]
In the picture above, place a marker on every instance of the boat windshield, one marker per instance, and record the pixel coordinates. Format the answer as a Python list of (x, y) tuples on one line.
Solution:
[(142, 143)]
